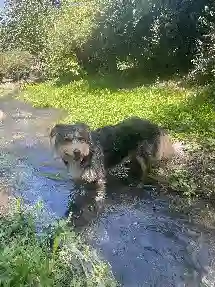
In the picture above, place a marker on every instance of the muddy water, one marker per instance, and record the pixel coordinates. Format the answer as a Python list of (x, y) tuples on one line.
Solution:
[(27, 165), (146, 242)]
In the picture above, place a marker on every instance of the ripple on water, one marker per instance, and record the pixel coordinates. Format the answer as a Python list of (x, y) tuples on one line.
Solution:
[(30, 183)]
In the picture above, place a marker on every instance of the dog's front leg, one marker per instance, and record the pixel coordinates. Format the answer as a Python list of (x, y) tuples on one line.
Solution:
[(89, 175), (100, 194)]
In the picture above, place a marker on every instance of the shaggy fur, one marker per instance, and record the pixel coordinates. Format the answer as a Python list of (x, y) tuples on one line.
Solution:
[(142, 141), (81, 152), (88, 154)]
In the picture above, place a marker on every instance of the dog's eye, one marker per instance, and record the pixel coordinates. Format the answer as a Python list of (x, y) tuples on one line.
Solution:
[(80, 139), (83, 160), (67, 139), (65, 162)]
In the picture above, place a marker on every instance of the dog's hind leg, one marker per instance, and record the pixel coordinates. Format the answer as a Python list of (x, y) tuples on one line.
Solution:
[(135, 167), (145, 168)]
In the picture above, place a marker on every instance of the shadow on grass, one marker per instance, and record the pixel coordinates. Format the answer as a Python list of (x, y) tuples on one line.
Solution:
[(126, 79)]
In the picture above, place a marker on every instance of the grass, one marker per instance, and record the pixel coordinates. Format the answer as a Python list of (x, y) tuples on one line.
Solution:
[(188, 113), (185, 112), (29, 260)]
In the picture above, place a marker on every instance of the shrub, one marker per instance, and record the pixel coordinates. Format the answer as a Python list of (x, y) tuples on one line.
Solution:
[(29, 260), (16, 64), (204, 60), (23, 25), (158, 36), (52, 33), (68, 28)]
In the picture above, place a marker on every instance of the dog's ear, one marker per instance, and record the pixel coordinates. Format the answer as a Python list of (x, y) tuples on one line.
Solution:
[(52, 134), (54, 131), (91, 144)]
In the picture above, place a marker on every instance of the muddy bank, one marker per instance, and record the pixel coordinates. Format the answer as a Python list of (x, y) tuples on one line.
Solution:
[(150, 239)]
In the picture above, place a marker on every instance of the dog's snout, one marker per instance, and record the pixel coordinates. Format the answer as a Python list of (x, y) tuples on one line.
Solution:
[(76, 153)]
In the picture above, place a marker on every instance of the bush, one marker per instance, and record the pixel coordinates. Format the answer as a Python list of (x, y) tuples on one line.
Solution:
[(29, 260), (52, 33), (204, 60), (23, 25), (16, 65), (68, 28), (158, 36)]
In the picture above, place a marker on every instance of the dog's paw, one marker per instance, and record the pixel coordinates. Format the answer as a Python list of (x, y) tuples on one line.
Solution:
[(100, 198), (89, 175), (99, 204)]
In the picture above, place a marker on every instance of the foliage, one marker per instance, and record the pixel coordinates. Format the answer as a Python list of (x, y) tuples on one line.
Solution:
[(16, 64), (64, 37), (48, 32), (161, 37), (154, 35), (204, 59), (24, 27), (29, 260)]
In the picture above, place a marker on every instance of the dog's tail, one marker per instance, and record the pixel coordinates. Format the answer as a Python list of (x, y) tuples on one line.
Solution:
[(165, 148)]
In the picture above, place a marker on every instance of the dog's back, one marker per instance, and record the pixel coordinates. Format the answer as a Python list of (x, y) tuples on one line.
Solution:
[(119, 140)]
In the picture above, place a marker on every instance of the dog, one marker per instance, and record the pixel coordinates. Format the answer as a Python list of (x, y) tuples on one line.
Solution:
[(139, 140), (88, 154)]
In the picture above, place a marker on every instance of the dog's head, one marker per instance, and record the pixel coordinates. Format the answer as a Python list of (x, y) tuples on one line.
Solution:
[(73, 144)]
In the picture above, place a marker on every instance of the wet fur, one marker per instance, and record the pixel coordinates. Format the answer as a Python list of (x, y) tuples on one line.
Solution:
[(65, 139), (137, 139), (143, 142)]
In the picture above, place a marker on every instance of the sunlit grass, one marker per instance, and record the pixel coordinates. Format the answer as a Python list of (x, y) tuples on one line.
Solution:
[(186, 112)]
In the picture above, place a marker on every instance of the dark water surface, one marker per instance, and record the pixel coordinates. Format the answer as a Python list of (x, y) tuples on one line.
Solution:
[(146, 242)]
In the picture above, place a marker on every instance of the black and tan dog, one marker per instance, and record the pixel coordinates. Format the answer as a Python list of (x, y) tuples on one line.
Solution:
[(81, 152), (88, 154)]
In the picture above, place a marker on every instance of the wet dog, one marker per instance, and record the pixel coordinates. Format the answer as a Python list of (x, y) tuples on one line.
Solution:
[(89, 153), (82, 154), (144, 143)]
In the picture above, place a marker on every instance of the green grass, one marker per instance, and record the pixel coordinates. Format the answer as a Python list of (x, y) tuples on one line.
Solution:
[(29, 260), (186, 112)]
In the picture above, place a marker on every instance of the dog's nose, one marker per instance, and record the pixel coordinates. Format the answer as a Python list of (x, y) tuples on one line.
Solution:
[(76, 153)]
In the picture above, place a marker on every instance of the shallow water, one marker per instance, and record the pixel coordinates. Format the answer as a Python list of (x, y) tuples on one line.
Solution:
[(147, 242)]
